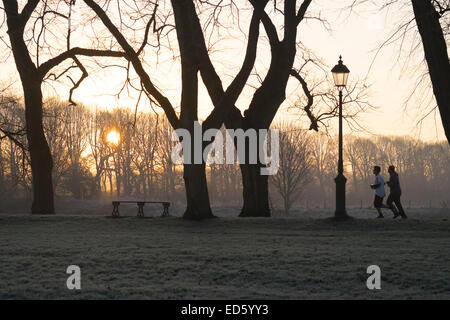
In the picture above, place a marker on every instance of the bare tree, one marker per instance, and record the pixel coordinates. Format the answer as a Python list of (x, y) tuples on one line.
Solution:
[(14, 162), (145, 147), (75, 136), (53, 122), (9, 129), (323, 152), (23, 35), (164, 161), (295, 165)]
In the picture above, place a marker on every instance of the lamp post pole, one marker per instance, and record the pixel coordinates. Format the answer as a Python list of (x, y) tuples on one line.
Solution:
[(340, 75), (340, 180)]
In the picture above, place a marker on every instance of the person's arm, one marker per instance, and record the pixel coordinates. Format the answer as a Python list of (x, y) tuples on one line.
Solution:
[(376, 184)]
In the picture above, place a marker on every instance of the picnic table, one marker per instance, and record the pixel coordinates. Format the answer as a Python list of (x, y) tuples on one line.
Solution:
[(140, 204)]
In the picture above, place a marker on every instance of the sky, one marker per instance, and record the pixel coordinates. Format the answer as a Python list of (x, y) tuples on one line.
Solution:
[(355, 35)]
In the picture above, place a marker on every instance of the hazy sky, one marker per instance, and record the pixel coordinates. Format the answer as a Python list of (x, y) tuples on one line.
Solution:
[(355, 35)]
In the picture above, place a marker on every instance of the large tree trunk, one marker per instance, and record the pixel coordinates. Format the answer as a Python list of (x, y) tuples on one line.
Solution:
[(435, 48), (255, 192), (197, 197), (198, 206), (41, 160)]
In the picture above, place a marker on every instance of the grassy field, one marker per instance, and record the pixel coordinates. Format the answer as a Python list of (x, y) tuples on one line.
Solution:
[(225, 258)]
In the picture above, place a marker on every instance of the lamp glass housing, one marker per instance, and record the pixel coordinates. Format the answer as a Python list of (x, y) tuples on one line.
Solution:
[(340, 74)]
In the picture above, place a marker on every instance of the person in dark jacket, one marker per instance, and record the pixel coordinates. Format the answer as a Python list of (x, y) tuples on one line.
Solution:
[(395, 193)]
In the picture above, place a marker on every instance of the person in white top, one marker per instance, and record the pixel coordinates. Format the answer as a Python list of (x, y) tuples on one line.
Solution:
[(380, 193)]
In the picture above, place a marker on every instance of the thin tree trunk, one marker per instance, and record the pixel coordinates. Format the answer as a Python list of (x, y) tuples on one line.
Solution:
[(287, 204), (118, 184), (13, 164), (111, 189), (435, 48)]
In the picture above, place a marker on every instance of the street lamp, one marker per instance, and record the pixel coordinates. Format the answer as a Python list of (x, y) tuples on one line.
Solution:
[(340, 75)]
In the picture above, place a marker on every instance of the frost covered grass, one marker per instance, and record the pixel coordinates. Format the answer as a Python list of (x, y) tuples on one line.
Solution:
[(305, 256)]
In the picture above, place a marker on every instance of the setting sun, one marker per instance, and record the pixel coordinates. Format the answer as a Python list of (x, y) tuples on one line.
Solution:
[(113, 137)]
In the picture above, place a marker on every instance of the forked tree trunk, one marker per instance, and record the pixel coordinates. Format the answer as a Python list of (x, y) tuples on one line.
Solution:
[(262, 110), (435, 48)]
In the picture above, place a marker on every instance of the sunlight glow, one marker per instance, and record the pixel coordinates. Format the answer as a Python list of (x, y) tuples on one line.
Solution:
[(113, 137)]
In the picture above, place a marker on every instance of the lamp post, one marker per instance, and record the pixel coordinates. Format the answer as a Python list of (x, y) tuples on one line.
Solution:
[(340, 75)]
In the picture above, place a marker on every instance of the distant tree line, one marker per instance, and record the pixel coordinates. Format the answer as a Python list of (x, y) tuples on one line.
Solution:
[(88, 166)]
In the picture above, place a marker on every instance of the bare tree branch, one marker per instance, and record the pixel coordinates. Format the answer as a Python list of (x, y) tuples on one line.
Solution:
[(72, 53), (307, 107)]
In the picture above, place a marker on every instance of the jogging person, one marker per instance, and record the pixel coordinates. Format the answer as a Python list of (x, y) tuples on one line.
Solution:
[(378, 186), (395, 193)]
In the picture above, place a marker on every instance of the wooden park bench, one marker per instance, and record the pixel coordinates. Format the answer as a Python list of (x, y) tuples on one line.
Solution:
[(140, 204)]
